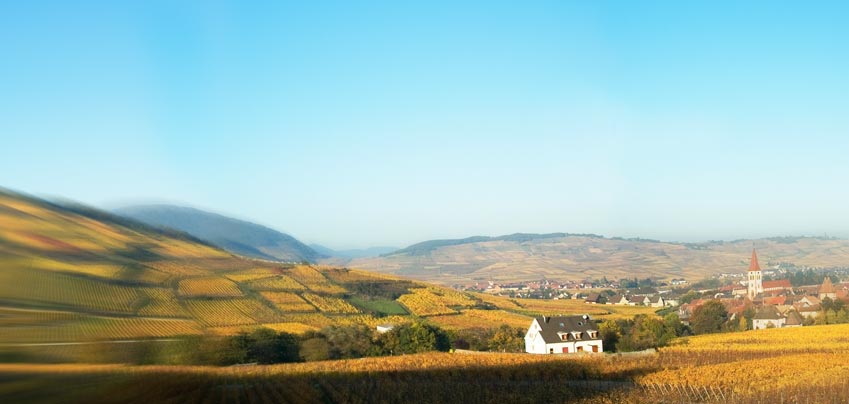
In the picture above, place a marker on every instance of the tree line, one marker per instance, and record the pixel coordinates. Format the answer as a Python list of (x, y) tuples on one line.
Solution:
[(267, 346)]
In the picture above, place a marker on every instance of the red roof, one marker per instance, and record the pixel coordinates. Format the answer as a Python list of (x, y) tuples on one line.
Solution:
[(781, 283), (753, 265)]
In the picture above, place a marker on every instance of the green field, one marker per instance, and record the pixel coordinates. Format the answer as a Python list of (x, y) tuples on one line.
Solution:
[(388, 307)]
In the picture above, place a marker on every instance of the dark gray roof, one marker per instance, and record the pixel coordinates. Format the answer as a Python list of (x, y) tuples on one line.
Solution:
[(552, 325)]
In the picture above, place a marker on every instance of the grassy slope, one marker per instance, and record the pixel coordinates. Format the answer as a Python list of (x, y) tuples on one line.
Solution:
[(580, 257), (78, 275)]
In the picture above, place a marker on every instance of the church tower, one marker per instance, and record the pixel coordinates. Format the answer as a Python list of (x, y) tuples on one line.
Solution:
[(755, 277)]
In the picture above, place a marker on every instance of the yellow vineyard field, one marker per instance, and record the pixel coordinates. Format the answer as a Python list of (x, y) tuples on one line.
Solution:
[(423, 302), (329, 304), (288, 301), (277, 282), (209, 286)]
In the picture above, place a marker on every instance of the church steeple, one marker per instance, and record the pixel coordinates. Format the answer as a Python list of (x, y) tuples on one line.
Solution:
[(755, 276), (753, 264)]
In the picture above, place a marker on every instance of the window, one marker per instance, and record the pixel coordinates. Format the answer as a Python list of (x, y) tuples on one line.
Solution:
[(580, 349), (565, 349)]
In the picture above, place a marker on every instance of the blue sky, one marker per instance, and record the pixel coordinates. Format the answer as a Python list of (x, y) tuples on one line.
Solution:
[(380, 123)]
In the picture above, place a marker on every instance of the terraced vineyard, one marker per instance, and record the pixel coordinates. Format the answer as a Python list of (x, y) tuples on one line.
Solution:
[(75, 274)]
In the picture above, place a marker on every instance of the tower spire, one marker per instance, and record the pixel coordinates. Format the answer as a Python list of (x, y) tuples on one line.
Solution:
[(753, 264)]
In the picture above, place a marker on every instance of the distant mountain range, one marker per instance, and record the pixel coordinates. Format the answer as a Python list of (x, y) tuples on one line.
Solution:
[(237, 236), (564, 256), (353, 253)]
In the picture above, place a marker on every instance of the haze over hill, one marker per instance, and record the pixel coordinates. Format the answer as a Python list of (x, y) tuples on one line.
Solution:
[(579, 256), (237, 236)]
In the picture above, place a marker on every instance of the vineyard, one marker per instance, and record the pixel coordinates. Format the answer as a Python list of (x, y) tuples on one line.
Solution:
[(329, 304), (288, 301), (209, 286), (764, 366)]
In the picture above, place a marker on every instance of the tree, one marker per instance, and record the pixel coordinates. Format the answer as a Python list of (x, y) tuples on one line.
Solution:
[(350, 342), (314, 347), (610, 333), (419, 337), (268, 346), (709, 318), (507, 339)]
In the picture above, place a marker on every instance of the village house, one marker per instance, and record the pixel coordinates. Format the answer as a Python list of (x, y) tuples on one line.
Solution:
[(771, 317), (620, 300), (563, 334), (594, 298), (827, 289), (654, 301), (768, 317)]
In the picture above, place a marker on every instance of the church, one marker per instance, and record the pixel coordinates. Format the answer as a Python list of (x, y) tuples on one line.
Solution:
[(757, 287), (756, 277)]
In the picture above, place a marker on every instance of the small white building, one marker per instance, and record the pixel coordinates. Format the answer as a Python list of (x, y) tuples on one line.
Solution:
[(560, 335), (770, 317)]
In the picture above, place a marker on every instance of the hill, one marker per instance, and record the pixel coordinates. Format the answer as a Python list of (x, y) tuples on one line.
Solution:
[(237, 236), (522, 257), (71, 273)]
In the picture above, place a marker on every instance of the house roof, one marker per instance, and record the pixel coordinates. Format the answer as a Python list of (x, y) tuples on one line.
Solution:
[(593, 297), (552, 325), (827, 287), (793, 318), (616, 299), (780, 283), (753, 264), (767, 312)]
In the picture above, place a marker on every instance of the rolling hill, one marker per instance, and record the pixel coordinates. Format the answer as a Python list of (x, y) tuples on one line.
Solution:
[(237, 236), (71, 273), (563, 256)]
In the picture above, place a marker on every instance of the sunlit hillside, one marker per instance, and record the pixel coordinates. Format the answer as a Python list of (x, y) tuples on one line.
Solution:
[(76, 274)]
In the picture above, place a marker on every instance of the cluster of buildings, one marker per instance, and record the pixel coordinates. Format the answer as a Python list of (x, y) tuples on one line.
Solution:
[(542, 289), (776, 302)]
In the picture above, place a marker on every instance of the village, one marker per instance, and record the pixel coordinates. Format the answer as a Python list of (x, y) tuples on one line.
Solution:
[(751, 303)]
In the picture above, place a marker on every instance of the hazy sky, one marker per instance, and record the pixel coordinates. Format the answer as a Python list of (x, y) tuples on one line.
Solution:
[(386, 123)]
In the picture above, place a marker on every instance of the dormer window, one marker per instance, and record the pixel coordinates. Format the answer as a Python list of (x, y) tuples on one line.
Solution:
[(576, 334)]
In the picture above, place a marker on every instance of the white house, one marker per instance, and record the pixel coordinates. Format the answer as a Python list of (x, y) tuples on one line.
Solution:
[(565, 334), (654, 301), (770, 317)]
